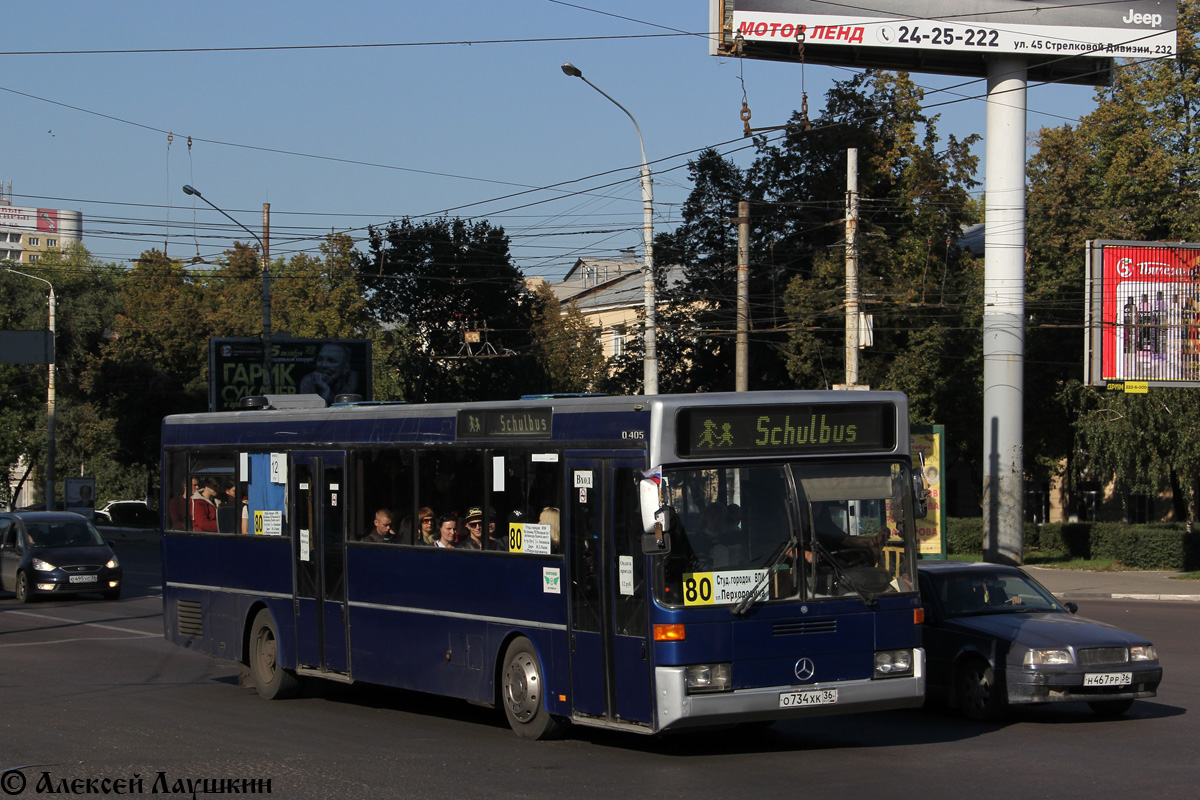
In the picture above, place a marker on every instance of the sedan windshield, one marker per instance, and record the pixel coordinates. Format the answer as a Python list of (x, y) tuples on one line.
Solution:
[(787, 532), (71, 533), (972, 593)]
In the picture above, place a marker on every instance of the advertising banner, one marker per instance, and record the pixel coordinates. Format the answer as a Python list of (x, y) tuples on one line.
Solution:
[(81, 496), (948, 35), (43, 220), (1144, 323), (326, 367), (929, 441)]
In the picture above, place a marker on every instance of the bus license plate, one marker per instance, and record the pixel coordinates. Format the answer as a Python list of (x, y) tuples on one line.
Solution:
[(1107, 678), (82, 579), (817, 697)]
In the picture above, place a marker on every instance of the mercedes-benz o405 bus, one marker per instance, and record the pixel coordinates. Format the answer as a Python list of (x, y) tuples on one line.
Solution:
[(643, 563)]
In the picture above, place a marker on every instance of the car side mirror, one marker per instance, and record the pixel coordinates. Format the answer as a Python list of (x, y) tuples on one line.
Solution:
[(1071, 606)]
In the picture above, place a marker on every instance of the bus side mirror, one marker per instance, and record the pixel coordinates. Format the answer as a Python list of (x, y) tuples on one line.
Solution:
[(920, 492), (656, 517), (656, 544)]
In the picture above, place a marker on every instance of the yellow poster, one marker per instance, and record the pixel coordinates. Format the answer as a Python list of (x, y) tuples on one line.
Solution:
[(928, 443)]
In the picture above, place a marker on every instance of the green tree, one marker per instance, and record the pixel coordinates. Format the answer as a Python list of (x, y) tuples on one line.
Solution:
[(438, 282), (565, 344), (1125, 171)]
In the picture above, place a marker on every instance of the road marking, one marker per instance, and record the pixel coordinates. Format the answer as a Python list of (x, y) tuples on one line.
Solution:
[(77, 622)]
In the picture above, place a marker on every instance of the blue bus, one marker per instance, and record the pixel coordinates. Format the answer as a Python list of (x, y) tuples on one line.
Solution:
[(646, 563)]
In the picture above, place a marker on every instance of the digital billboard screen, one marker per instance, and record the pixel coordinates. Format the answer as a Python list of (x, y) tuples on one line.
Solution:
[(1069, 40), (1144, 313), (327, 367)]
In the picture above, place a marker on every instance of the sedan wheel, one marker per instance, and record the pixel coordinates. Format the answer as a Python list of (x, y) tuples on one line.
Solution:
[(24, 595), (979, 696)]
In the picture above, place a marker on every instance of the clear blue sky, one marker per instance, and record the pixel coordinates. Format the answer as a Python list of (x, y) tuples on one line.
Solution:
[(435, 127)]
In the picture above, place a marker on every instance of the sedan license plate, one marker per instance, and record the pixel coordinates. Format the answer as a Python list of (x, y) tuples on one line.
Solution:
[(1107, 678), (815, 697), (82, 578)]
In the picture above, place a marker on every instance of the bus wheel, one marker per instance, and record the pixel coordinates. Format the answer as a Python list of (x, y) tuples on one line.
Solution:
[(522, 689), (271, 680)]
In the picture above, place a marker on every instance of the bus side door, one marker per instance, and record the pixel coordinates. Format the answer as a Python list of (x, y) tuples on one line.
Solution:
[(610, 668), (318, 495)]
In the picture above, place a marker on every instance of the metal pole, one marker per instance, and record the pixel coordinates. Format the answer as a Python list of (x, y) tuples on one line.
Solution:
[(1004, 311), (50, 392), (650, 359), (266, 281), (268, 377), (852, 312), (742, 351)]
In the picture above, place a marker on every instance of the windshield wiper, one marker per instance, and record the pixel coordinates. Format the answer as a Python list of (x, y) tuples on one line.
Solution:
[(747, 601), (868, 598)]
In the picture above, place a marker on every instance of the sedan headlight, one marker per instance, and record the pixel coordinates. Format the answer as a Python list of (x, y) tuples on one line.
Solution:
[(893, 663), (43, 566), (1037, 658), (113, 563), (1143, 653)]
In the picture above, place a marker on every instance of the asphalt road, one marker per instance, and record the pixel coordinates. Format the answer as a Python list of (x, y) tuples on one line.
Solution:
[(91, 690)]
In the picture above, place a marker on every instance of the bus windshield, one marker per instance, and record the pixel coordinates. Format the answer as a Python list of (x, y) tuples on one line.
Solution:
[(821, 530)]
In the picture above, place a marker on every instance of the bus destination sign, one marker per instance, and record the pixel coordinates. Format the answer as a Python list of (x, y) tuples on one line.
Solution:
[(496, 423), (786, 430)]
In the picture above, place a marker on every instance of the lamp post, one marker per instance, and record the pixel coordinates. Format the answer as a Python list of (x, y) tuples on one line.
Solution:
[(650, 360), (266, 287), (49, 396)]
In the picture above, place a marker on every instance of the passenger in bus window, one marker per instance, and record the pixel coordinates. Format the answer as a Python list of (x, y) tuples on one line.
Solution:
[(474, 540), (177, 507), (403, 534), (426, 534), (227, 507), (381, 530), (447, 528), (244, 514), (204, 509), (549, 516)]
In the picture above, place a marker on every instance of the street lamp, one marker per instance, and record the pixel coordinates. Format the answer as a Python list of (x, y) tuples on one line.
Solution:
[(49, 396), (266, 287), (650, 362)]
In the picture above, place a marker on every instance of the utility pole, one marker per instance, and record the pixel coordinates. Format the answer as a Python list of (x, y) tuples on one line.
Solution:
[(742, 351), (852, 313), (268, 378)]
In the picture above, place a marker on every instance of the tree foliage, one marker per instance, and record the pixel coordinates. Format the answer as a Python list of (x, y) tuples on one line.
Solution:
[(1126, 171), (565, 345), (439, 280)]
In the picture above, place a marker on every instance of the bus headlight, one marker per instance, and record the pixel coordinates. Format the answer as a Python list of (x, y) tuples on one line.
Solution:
[(893, 663), (702, 678)]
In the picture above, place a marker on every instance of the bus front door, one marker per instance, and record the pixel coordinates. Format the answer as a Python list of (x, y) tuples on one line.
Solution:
[(610, 667), (318, 518)]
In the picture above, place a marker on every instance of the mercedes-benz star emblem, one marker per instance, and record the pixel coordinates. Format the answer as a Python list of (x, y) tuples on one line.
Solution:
[(805, 669)]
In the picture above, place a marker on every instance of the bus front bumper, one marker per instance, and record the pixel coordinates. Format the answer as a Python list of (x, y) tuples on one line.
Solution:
[(677, 709)]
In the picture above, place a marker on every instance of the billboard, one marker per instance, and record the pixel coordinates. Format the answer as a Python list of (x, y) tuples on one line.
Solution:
[(31, 220), (1065, 40), (1143, 314), (327, 367)]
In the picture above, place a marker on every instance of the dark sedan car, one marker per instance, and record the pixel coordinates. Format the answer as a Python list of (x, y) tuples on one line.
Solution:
[(55, 552), (993, 636)]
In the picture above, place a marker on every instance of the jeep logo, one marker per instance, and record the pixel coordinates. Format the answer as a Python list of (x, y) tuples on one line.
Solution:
[(1152, 20)]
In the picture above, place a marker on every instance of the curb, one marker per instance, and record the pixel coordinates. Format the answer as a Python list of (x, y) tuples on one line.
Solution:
[(1116, 596)]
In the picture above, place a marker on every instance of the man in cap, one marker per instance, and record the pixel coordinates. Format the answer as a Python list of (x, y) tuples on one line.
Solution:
[(474, 540)]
